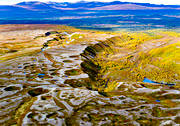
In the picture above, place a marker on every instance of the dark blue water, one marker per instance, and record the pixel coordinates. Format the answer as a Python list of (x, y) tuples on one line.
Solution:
[(146, 80)]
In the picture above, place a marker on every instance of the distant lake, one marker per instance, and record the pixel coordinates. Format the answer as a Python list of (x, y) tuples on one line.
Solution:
[(100, 20)]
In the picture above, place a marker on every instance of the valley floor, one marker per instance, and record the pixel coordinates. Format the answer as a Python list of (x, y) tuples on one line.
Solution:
[(43, 80)]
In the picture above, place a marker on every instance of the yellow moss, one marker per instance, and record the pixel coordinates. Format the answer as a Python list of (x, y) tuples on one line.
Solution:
[(132, 40), (76, 38), (158, 64), (171, 33), (111, 86), (23, 109), (18, 54), (169, 103)]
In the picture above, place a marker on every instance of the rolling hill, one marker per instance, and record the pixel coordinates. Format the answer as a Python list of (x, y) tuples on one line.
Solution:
[(115, 5), (106, 15)]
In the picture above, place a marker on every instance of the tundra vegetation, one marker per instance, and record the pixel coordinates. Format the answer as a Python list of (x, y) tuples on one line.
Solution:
[(131, 57), (67, 76)]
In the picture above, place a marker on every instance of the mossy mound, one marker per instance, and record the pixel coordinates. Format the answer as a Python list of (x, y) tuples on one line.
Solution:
[(37, 91), (78, 82), (12, 88), (67, 61), (73, 72), (51, 32)]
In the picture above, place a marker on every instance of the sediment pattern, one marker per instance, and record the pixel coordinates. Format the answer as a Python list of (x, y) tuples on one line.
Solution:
[(50, 89)]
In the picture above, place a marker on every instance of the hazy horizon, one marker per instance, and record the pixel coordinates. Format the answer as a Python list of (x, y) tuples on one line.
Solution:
[(167, 2)]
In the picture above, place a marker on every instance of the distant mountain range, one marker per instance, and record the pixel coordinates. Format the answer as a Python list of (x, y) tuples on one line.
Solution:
[(83, 5), (97, 15)]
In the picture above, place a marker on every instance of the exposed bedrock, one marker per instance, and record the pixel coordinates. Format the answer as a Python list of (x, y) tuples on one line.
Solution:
[(89, 64)]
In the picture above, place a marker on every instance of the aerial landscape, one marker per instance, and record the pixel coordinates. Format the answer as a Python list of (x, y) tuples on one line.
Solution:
[(89, 63)]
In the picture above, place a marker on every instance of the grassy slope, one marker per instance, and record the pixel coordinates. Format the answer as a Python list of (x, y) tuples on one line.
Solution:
[(132, 56)]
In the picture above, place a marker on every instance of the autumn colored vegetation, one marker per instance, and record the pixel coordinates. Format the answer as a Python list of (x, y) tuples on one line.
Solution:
[(131, 57)]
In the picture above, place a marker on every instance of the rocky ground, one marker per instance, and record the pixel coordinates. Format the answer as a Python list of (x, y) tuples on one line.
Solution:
[(49, 88)]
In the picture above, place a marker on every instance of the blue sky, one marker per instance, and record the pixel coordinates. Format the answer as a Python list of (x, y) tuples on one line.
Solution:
[(167, 2)]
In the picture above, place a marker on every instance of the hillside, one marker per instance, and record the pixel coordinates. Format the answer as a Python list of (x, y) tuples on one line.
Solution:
[(131, 57)]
